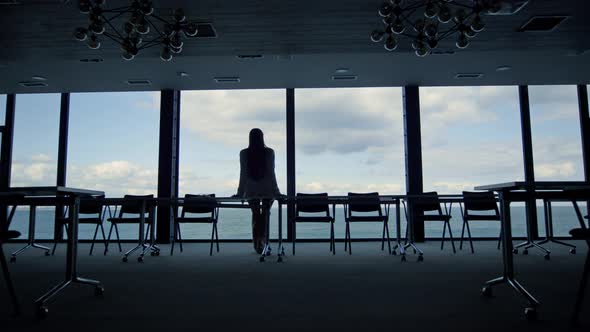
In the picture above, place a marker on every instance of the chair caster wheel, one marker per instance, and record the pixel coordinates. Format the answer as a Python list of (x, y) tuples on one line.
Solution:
[(530, 314), (140, 259), (153, 253), (47, 253), (124, 259), (13, 259), (420, 258), (547, 257), (515, 251), (98, 291), (486, 291), (525, 252), (280, 259), (403, 258), (42, 312), (262, 258), (573, 251)]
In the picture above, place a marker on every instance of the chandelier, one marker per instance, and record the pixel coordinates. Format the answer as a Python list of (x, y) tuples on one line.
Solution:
[(427, 22), (134, 33)]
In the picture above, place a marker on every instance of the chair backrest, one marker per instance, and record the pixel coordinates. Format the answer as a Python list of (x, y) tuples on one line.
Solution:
[(91, 205), (199, 204), (312, 203), (427, 201), (480, 201), (133, 203), (364, 202)]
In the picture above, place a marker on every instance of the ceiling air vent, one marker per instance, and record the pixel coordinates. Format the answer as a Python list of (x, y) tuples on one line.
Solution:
[(504, 7), (32, 84), (139, 82), (222, 80), (205, 30), (542, 23), (344, 78), (461, 76), (442, 52), (250, 56), (93, 60)]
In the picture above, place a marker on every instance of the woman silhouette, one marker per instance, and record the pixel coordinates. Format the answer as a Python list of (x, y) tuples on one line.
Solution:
[(258, 184)]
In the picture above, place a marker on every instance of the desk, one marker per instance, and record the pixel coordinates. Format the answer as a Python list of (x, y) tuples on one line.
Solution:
[(343, 200), (52, 196), (520, 192)]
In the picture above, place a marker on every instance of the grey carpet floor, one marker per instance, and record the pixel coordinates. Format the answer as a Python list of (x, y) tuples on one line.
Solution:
[(233, 291)]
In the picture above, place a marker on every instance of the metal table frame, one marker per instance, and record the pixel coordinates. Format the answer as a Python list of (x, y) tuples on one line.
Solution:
[(51, 196), (521, 191)]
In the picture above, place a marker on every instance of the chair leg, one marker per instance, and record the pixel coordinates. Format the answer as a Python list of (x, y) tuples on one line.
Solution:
[(216, 237), (500, 238), (388, 238), (462, 235), (180, 239), (349, 239), (383, 238), (346, 238), (9, 283), (442, 241), (55, 245), (581, 290), (451, 237), (118, 238), (470, 238), (332, 238), (104, 238), (93, 239), (173, 239), (294, 230), (212, 237), (106, 249)]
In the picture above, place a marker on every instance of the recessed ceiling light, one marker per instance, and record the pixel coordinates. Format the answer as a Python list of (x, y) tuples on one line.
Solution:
[(38, 78), (503, 68), (468, 75), (32, 84), (342, 70), (344, 78), (182, 74), (250, 56), (138, 82), (227, 80)]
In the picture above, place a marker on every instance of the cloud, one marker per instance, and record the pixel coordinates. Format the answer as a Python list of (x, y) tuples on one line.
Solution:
[(344, 188), (39, 169), (559, 170)]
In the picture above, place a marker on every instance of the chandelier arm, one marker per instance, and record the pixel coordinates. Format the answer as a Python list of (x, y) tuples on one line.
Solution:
[(449, 32), (108, 21), (118, 9), (113, 38), (414, 6), (148, 45), (119, 14), (155, 27), (160, 19), (461, 5)]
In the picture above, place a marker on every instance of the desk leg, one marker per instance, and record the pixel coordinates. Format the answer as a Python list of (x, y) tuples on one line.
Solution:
[(398, 230), (71, 275), (280, 249), (410, 236), (530, 243), (266, 214), (31, 239), (508, 260), (549, 229)]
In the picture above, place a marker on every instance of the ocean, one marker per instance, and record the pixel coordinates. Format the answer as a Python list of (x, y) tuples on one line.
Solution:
[(236, 224)]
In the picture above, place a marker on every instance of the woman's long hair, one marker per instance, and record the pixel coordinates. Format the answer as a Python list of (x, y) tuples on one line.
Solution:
[(256, 155)]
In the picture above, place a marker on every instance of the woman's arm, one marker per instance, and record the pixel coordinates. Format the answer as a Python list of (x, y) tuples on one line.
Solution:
[(242, 174), (272, 173)]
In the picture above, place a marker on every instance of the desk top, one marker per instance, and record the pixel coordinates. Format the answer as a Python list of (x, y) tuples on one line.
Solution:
[(53, 191), (537, 185)]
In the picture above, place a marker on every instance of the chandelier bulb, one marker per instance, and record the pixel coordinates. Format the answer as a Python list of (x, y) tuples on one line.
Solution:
[(470, 33), (431, 30), (143, 28), (377, 36), (166, 55), (146, 8), (422, 52), (398, 26), (93, 42), (444, 14), (462, 41), (391, 43), (179, 15), (419, 25), (385, 9), (432, 43), (477, 25), (191, 29), (97, 27), (127, 56), (176, 42), (431, 10), (80, 34), (84, 6)]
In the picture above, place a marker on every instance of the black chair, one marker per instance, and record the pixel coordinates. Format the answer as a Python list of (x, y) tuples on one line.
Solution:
[(430, 202), (6, 235), (134, 205), (365, 203), (92, 205), (478, 202), (314, 204), (581, 234), (199, 205)]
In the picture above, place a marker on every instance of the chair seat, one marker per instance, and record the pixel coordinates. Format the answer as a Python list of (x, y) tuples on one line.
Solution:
[(580, 233), (129, 220), (314, 219), (435, 217), (93, 220), (196, 220), (366, 219), (9, 235), (482, 217)]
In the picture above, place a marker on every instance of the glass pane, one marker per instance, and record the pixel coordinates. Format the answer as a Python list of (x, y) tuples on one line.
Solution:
[(34, 159), (2, 109), (113, 146), (348, 140), (471, 136), (214, 128), (557, 145)]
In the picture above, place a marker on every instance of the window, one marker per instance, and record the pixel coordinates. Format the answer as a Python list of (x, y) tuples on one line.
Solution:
[(2, 109), (470, 136), (113, 146), (214, 128), (348, 140), (557, 146), (34, 156)]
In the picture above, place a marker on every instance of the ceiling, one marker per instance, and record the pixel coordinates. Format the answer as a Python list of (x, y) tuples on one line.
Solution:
[(303, 43)]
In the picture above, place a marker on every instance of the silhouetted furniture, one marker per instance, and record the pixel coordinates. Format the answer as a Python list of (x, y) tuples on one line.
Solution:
[(318, 206), (205, 207), (581, 234), (549, 237), (6, 235), (141, 208), (365, 203), (478, 202), (88, 206), (430, 202)]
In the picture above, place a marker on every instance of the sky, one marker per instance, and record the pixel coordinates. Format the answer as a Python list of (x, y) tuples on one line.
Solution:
[(347, 139)]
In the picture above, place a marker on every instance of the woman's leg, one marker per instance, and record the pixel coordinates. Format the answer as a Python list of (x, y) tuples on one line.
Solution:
[(256, 223), (265, 217)]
